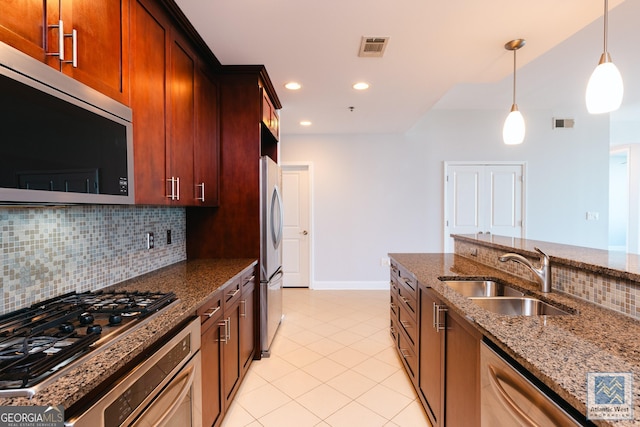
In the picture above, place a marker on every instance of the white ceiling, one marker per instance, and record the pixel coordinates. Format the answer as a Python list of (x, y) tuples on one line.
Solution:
[(441, 54)]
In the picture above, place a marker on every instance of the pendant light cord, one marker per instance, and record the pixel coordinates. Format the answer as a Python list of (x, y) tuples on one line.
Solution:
[(514, 76), (606, 23)]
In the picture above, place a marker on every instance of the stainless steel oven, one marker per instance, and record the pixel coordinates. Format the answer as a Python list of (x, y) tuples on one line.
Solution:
[(163, 390)]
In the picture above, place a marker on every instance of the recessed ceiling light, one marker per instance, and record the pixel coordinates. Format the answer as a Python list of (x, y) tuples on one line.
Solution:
[(305, 123), (361, 86), (293, 85)]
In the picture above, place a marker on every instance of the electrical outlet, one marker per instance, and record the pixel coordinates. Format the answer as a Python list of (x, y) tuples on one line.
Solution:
[(593, 216), (168, 237), (150, 241), (385, 261)]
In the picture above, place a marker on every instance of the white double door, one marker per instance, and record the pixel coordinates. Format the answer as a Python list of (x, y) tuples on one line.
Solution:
[(483, 198)]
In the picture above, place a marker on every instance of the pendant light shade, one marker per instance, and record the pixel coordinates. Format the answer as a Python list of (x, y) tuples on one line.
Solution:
[(514, 128), (605, 87)]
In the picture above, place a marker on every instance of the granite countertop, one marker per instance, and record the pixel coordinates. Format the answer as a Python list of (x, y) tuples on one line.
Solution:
[(193, 282), (558, 350)]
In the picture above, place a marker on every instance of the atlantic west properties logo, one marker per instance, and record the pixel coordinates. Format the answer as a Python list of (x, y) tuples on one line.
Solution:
[(609, 396), (31, 416)]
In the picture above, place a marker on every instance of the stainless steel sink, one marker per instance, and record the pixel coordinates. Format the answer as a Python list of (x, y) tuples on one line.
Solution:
[(518, 306), (482, 288)]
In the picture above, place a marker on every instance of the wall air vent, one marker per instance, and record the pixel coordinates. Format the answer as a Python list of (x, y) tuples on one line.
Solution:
[(563, 123), (373, 47)]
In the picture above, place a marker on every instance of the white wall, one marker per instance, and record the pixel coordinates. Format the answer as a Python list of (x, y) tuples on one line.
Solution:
[(375, 194)]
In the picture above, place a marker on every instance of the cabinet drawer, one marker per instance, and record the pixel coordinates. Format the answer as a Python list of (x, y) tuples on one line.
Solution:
[(407, 323), (232, 293), (409, 284), (408, 301), (248, 280), (210, 311), (393, 330), (408, 356), (393, 306), (394, 269)]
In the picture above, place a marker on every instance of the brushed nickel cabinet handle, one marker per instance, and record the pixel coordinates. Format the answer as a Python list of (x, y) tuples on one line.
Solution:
[(201, 198), (74, 48), (60, 52), (212, 311)]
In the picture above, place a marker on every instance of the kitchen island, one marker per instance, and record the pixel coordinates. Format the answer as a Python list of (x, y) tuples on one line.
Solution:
[(558, 350), (193, 282)]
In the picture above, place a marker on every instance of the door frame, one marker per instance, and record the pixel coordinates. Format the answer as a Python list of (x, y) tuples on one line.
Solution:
[(308, 165), (448, 163)]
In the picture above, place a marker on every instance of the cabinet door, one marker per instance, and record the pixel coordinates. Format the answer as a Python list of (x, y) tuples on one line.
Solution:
[(101, 28), (210, 349), (206, 145), (23, 25), (231, 369), (148, 63), (462, 373), (247, 318), (180, 132), (431, 357)]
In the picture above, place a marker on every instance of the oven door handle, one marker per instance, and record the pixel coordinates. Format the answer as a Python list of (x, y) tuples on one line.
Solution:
[(187, 376)]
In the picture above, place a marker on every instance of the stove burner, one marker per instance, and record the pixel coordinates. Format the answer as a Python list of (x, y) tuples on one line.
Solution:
[(21, 347), (40, 340)]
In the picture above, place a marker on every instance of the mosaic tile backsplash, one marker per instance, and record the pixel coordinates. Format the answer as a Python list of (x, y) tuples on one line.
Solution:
[(607, 291), (48, 251)]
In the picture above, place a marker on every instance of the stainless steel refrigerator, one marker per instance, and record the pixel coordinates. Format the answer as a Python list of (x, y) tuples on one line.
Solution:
[(271, 226)]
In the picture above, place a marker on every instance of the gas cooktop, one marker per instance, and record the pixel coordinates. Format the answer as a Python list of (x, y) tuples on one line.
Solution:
[(41, 342)]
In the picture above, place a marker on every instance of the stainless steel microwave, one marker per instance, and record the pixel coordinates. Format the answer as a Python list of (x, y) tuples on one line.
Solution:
[(60, 141)]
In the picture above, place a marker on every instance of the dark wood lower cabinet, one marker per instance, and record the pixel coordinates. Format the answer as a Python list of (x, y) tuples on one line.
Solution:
[(462, 373), (231, 353), (448, 381), (227, 344), (431, 357), (211, 353), (247, 322)]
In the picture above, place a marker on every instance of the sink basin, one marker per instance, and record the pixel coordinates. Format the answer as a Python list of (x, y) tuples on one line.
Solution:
[(482, 288), (518, 306)]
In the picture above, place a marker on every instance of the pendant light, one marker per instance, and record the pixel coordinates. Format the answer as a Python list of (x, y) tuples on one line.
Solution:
[(513, 130), (605, 88)]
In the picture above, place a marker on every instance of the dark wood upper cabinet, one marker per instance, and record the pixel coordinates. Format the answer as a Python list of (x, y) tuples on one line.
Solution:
[(94, 39), (175, 114), (149, 37), (243, 139), (181, 131), (206, 147)]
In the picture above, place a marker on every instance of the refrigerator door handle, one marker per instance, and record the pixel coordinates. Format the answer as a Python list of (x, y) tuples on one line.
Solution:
[(277, 221), (277, 275)]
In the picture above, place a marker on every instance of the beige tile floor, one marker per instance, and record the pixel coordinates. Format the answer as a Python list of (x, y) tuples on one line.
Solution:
[(332, 364)]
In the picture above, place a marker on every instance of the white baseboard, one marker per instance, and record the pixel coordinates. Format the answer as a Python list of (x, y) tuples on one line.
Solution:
[(350, 286)]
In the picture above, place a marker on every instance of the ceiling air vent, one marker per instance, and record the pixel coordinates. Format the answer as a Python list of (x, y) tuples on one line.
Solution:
[(563, 123), (373, 46)]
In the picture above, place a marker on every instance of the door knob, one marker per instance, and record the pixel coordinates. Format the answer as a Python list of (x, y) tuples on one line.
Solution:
[(304, 233)]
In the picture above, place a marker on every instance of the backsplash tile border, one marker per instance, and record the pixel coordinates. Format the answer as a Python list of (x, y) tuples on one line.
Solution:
[(49, 251), (621, 295)]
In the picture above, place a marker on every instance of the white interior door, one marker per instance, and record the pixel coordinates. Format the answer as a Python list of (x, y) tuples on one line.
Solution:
[(484, 198), (296, 233)]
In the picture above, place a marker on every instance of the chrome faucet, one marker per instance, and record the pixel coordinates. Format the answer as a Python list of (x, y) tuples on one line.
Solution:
[(543, 274)]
